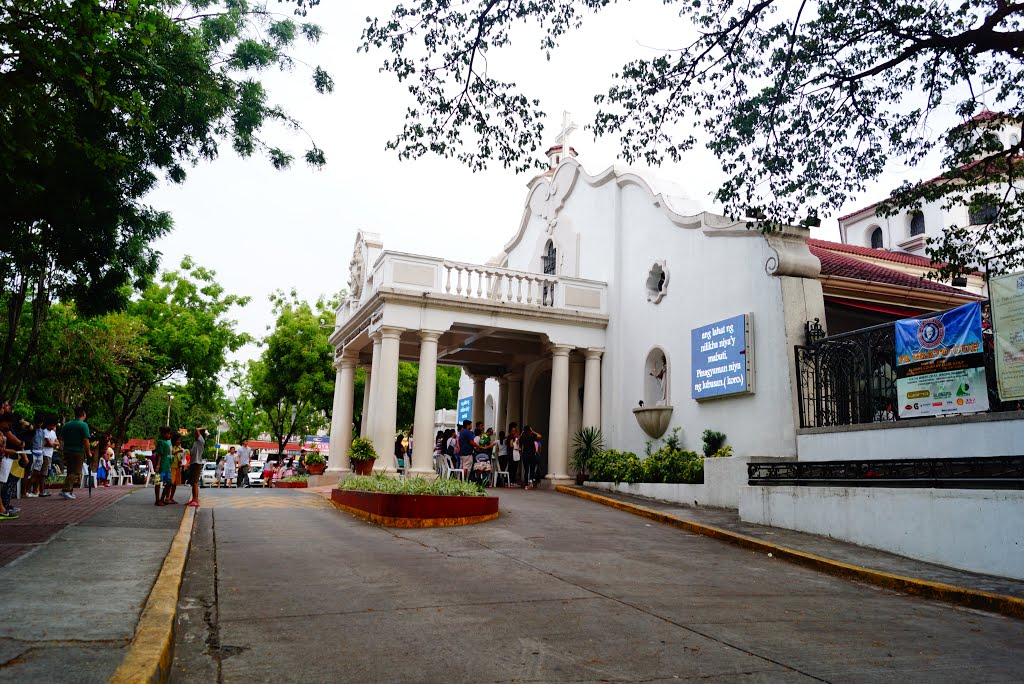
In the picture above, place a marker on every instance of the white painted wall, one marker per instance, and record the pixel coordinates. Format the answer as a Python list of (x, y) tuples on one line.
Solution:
[(714, 273), (953, 437), (970, 529), (724, 478)]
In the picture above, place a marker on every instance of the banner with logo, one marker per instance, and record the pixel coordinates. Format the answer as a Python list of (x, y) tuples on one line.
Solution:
[(940, 364), (1007, 296), (317, 443)]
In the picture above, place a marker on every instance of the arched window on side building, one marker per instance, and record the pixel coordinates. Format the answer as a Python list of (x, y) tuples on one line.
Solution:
[(876, 238)]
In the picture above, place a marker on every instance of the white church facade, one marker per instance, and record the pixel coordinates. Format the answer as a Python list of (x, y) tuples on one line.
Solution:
[(618, 304), (585, 315)]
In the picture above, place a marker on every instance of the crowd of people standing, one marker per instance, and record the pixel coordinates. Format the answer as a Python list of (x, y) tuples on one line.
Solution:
[(476, 452)]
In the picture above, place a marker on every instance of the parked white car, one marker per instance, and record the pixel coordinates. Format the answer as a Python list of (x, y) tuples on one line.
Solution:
[(255, 474), (209, 475)]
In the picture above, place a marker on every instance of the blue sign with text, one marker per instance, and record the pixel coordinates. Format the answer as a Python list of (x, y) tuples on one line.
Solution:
[(720, 358), (465, 409)]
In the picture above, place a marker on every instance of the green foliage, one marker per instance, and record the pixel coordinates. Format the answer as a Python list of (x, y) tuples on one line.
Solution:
[(412, 485), (802, 103), (362, 450), (713, 441), (295, 478), (724, 452), (588, 442), (293, 382), (616, 466), (673, 466), (99, 100), (674, 441), (315, 459), (244, 418)]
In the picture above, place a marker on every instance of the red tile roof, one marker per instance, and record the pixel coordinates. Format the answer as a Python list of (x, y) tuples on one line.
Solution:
[(139, 444), (843, 266), (884, 254)]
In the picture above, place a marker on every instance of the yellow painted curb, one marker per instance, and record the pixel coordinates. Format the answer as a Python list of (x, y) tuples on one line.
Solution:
[(962, 596), (149, 655)]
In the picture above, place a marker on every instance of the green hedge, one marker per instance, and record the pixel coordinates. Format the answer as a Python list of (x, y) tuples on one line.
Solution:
[(667, 464), (412, 485)]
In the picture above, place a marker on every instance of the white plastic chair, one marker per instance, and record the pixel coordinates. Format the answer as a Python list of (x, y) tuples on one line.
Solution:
[(451, 471), (497, 473)]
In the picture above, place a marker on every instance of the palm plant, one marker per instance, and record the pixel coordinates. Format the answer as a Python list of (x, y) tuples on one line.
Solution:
[(587, 443)]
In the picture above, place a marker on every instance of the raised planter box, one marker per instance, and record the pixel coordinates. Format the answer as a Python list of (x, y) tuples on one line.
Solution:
[(407, 510), (290, 485)]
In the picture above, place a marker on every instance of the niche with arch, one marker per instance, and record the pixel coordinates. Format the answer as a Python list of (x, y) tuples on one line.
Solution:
[(656, 378)]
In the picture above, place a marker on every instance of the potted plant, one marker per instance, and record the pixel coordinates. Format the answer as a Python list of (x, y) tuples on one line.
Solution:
[(588, 442), (362, 454), (316, 464)]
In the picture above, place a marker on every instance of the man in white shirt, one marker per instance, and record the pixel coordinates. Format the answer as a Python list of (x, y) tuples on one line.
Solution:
[(244, 456), (49, 443)]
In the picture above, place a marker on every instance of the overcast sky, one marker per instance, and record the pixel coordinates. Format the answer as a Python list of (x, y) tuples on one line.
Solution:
[(263, 230)]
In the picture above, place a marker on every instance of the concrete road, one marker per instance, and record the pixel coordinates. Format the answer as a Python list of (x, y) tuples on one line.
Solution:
[(282, 587)]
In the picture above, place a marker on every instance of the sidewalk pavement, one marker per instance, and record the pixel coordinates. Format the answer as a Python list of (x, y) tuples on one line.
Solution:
[(71, 605), (41, 519), (825, 547)]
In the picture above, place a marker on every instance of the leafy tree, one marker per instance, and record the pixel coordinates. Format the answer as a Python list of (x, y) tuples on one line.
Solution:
[(184, 332), (241, 413), (187, 411), (99, 98), (293, 382), (802, 102)]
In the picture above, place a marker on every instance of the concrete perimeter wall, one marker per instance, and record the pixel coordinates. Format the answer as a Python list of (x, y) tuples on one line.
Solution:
[(723, 480), (970, 529), (989, 434)]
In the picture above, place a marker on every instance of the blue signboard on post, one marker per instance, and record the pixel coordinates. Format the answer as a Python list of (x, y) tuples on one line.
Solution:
[(721, 358), (465, 409)]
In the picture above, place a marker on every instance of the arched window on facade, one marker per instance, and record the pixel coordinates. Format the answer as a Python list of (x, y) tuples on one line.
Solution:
[(916, 224), (981, 212), (548, 262), (549, 259), (876, 238)]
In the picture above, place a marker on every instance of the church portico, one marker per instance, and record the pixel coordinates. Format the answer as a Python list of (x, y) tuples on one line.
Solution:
[(492, 322)]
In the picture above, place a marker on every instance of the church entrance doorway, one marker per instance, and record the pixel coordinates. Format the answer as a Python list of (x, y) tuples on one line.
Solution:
[(538, 412)]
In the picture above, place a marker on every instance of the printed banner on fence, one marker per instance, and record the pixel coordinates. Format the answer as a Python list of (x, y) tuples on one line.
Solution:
[(940, 364), (1007, 296), (721, 362)]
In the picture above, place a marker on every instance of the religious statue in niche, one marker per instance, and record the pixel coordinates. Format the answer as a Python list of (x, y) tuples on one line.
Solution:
[(355, 278), (659, 371)]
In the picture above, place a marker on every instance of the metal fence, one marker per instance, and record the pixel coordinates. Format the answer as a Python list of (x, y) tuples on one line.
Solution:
[(1002, 472), (850, 378)]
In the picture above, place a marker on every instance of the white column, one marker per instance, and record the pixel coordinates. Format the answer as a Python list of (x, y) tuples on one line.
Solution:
[(478, 398), (575, 402), (557, 441), (341, 418), (385, 400), (514, 414), (423, 424), (371, 429), (364, 424), (501, 415), (592, 388)]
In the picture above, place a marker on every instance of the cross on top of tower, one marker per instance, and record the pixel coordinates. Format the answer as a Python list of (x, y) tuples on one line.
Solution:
[(562, 149)]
